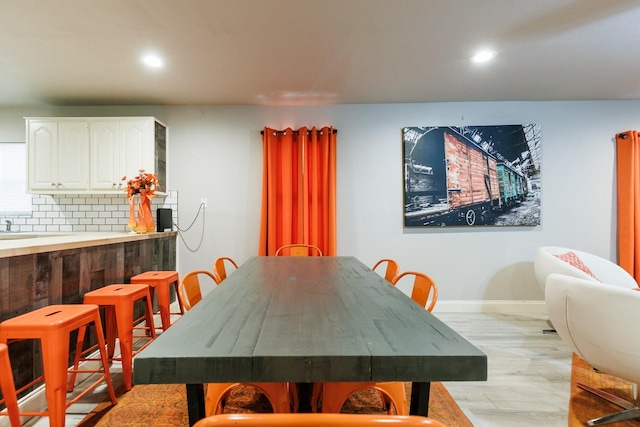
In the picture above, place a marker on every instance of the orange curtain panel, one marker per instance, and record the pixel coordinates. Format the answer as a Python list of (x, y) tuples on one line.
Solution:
[(628, 178), (298, 189)]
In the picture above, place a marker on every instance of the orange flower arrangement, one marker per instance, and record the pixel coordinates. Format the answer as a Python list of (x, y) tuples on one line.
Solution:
[(144, 184)]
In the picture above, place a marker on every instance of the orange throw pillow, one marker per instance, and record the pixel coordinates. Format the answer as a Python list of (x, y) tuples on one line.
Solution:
[(574, 260)]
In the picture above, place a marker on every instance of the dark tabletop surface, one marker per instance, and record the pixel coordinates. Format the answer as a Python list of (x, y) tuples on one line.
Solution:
[(307, 319)]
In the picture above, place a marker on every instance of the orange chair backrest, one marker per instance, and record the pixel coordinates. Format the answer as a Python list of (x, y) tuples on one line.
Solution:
[(298, 249), (189, 290), (424, 289), (392, 269), (315, 420), (219, 269)]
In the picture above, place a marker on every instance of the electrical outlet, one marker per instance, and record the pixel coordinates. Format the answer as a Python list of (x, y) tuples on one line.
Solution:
[(203, 201)]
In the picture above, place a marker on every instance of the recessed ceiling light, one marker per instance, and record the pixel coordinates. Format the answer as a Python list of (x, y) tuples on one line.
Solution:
[(152, 60), (483, 56)]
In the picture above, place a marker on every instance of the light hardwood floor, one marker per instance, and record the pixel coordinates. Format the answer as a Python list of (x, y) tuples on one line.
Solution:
[(528, 378), (529, 373)]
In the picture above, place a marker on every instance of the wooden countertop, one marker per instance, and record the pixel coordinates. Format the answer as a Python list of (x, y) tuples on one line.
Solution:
[(16, 244)]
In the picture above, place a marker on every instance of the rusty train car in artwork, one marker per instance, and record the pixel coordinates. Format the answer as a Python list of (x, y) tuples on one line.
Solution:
[(450, 179)]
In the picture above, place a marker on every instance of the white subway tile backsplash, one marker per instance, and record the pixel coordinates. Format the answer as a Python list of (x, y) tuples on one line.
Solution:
[(76, 213)]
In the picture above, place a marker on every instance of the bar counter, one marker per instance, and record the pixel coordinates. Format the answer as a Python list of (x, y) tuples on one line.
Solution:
[(59, 268), (28, 243)]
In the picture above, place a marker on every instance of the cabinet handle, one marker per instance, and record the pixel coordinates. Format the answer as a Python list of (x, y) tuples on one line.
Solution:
[(53, 184), (59, 184)]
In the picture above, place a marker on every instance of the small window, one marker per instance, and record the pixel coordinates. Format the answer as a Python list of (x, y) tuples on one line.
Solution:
[(14, 199)]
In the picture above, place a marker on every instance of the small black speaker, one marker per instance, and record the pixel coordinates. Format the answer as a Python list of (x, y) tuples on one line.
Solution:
[(164, 219)]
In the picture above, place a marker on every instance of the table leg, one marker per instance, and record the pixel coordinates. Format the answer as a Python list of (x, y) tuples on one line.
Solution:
[(420, 399), (195, 402), (304, 396)]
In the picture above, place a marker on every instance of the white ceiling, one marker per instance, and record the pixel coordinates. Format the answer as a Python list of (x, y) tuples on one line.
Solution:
[(309, 52)]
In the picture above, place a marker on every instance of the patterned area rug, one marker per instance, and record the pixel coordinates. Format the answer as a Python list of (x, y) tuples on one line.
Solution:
[(584, 406), (166, 406)]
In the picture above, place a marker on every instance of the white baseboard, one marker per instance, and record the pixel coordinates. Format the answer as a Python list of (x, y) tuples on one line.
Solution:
[(491, 306)]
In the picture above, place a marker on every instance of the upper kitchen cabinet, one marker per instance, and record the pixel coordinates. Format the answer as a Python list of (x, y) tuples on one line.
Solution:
[(58, 153), (115, 147)]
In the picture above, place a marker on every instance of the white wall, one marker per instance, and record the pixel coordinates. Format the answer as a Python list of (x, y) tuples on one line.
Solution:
[(215, 152)]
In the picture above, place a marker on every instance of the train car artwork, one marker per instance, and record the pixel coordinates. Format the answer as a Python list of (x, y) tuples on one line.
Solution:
[(450, 180)]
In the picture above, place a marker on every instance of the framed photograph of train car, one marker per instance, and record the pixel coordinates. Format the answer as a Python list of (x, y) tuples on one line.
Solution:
[(472, 175)]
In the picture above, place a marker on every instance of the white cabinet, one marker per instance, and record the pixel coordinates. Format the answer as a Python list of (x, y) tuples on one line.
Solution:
[(120, 148), (58, 153), (92, 154)]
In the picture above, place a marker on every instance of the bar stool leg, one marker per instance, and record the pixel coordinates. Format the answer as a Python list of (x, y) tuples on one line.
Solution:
[(148, 315), (125, 335), (7, 386), (164, 301), (111, 326), (104, 357), (76, 361), (54, 362), (105, 360)]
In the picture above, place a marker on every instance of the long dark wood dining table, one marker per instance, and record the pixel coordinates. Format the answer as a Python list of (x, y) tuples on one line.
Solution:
[(306, 320)]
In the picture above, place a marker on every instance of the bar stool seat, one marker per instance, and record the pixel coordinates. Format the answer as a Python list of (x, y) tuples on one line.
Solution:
[(52, 325), (160, 282), (8, 388), (118, 301)]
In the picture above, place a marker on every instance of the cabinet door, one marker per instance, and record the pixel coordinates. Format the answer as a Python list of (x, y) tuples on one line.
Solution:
[(42, 147), (136, 147), (73, 155), (105, 170)]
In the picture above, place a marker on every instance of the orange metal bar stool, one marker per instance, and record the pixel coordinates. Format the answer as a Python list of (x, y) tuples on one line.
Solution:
[(160, 282), (118, 302), (8, 388), (53, 325)]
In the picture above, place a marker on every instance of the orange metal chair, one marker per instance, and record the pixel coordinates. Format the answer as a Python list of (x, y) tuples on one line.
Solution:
[(219, 269), (190, 291), (281, 396), (298, 249), (118, 302), (332, 395), (53, 325), (391, 271), (160, 282), (315, 420), (425, 290), (7, 386)]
